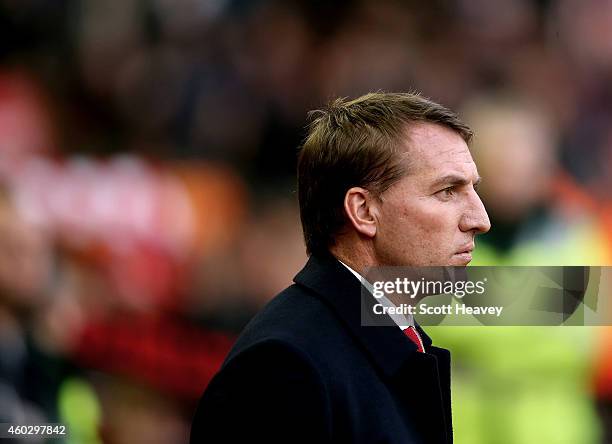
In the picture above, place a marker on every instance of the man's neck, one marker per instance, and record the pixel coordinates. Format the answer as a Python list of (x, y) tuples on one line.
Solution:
[(402, 321), (354, 258)]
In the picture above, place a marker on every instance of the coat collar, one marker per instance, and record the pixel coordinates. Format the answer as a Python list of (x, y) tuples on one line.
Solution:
[(338, 288)]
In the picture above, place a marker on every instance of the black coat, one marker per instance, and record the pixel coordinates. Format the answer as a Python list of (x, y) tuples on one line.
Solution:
[(305, 370)]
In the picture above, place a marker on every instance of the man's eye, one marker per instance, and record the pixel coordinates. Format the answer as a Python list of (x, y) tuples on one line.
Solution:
[(447, 192)]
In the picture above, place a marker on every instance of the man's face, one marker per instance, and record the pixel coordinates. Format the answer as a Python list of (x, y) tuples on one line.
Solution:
[(431, 216)]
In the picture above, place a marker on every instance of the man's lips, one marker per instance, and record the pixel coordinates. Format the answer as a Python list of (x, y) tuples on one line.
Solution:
[(466, 249), (464, 254)]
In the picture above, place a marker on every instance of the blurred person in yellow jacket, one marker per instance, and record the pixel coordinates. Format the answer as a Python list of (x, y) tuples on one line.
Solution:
[(524, 384)]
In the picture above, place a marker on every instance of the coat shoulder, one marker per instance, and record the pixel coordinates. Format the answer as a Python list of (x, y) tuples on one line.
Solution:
[(295, 317)]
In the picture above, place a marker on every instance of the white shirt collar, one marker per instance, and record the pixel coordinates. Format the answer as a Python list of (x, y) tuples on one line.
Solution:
[(402, 321)]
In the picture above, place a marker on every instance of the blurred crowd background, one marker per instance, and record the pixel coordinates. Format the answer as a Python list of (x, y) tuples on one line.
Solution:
[(148, 206)]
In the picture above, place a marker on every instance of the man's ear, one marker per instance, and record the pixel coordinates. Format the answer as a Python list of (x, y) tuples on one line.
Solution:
[(361, 208)]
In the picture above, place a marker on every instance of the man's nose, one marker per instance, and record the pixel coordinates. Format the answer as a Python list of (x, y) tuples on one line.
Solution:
[(475, 217)]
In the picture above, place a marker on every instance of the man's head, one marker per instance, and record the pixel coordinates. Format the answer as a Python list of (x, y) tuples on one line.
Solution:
[(388, 179)]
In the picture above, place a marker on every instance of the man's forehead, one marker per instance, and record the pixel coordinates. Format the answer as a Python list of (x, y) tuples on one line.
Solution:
[(435, 149)]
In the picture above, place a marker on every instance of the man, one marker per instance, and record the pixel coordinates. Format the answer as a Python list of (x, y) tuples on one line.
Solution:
[(385, 179)]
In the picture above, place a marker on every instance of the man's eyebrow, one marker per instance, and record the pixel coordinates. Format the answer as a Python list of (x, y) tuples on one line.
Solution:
[(455, 180)]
